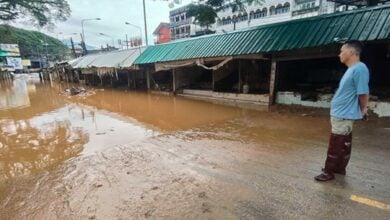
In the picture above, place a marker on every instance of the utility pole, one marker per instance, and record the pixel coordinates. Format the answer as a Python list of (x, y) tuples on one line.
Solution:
[(73, 50), (146, 26), (85, 51), (47, 54)]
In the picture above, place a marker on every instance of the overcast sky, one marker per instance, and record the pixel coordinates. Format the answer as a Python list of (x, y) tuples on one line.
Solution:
[(113, 14)]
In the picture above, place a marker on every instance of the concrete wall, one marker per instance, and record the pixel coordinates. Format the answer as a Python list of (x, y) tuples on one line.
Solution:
[(295, 98), (232, 97), (198, 92), (382, 109)]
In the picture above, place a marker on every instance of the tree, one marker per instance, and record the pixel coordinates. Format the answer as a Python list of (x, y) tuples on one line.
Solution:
[(41, 12), (205, 13), (33, 43)]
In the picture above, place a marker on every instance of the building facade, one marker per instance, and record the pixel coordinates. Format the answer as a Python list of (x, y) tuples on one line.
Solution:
[(162, 33), (308, 8), (271, 11), (181, 25)]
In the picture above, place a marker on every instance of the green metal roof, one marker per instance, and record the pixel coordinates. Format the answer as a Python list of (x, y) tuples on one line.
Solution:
[(367, 24)]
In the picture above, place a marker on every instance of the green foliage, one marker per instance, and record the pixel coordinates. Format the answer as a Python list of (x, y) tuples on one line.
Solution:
[(42, 12), (33, 43), (204, 15)]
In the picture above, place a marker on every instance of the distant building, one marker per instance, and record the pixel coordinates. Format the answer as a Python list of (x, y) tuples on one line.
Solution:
[(271, 11), (181, 25), (309, 8), (162, 33)]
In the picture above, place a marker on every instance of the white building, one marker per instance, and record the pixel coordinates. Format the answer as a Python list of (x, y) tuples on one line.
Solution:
[(271, 11), (308, 8), (181, 26)]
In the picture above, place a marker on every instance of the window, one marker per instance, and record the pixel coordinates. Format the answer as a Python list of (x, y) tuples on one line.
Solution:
[(279, 9), (242, 17), (272, 10), (182, 17), (177, 18), (226, 21), (286, 7), (251, 15), (264, 12), (260, 13), (234, 18), (257, 14)]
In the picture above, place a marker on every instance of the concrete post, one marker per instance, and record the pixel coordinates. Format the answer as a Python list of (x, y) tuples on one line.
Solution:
[(239, 77), (134, 76), (128, 79), (147, 79), (213, 80), (174, 80), (272, 83)]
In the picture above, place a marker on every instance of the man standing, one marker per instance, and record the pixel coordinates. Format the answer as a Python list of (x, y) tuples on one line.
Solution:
[(348, 104)]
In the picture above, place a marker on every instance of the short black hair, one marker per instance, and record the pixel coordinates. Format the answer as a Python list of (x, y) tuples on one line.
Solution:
[(356, 45)]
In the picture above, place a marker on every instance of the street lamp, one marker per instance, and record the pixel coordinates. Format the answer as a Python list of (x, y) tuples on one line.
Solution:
[(103, 34), (139, 28), (82, 29)]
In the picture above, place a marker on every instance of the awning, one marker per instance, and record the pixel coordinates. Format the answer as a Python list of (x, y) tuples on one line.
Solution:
[(113, 59)]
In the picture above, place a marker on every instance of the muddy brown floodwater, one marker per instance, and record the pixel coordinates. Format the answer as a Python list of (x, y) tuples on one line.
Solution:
[(119, 154)]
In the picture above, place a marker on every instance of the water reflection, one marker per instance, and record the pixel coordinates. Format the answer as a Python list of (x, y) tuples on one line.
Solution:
[(26, 98), (31, 139), (25, 148), (51, 128), (15, 94), (164, 113)]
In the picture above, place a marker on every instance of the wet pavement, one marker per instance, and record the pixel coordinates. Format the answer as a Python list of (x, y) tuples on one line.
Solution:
[(132, 155)]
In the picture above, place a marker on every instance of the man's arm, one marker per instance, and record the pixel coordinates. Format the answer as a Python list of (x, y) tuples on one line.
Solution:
[(363, 102)]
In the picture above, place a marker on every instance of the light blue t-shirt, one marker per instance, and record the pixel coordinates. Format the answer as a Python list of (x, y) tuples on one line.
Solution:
[(345, 103)]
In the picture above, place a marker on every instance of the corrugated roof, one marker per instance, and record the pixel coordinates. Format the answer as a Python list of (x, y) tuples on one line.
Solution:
[(116, 59), (367, 24), (83, 62)]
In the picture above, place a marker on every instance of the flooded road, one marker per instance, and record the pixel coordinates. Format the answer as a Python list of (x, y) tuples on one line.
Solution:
[(118, 154)]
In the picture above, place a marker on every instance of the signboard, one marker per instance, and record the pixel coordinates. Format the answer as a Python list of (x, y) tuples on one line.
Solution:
[(16, 62), (26, 62), (9, 50)]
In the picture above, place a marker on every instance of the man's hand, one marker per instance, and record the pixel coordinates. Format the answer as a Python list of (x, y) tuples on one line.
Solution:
[(365, 117)]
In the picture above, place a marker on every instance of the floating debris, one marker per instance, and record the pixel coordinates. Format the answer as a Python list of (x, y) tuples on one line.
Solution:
[(77, 91)]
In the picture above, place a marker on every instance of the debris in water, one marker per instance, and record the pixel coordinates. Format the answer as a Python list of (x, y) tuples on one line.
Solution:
[(97, 185), (77, 91)]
